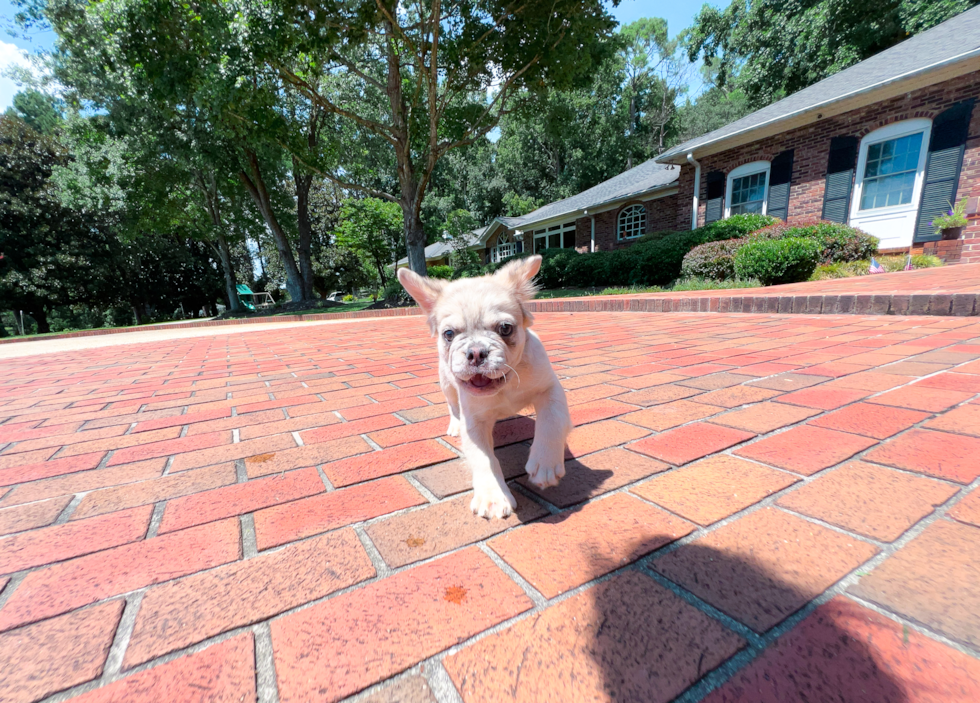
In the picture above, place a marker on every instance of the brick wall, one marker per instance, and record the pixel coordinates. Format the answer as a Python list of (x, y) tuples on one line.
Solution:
[(661, 216), (812, 143)]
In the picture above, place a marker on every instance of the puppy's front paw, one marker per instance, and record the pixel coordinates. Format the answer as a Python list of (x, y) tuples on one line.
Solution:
[(492, 502), (543, 472), (453, 430)]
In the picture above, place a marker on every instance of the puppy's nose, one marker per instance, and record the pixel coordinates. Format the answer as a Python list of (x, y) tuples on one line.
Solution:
[(476, 355)]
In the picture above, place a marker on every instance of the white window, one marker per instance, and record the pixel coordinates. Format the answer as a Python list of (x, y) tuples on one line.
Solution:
[(502, 251), (889, 171), (748, 188), (888, 183), (561, 236), (632, 222)]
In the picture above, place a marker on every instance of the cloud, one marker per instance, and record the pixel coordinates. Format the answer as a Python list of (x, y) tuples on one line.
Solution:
[(10, 55)]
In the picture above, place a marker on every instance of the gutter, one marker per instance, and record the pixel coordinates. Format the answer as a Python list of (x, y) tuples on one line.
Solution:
[(697, 189), (810, 108), (592, 243)]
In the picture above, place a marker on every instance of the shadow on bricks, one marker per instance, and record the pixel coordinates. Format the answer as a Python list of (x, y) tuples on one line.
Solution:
[(629, 638)]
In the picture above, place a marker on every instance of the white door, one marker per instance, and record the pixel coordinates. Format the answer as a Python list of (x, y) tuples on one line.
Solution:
[(888, 186)]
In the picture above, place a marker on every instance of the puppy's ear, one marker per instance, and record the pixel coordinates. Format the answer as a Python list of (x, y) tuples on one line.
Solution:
[(519, 276), (424, 290)]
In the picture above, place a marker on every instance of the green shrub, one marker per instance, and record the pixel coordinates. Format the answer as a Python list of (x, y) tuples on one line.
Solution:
[(393, 292), (445, 272), (714, 260), (840, 242), (848, 269), (349, 298), (778, 260), (736, 226)]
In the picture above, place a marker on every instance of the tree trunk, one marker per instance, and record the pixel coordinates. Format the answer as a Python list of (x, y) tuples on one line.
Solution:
[(303, 184), (256, 188), (414, 238), (224, 253), (41, 318)]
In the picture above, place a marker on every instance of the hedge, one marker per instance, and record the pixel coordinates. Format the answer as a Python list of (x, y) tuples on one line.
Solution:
[(714, 260), (840, 242), (775, 261)]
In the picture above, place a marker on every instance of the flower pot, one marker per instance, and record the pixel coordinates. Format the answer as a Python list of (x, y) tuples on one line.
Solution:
[(952, 233)]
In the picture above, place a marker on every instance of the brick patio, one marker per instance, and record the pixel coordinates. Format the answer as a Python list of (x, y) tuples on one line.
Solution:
[(757, 508)]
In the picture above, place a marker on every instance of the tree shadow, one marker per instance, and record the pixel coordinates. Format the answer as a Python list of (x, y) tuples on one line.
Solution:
[(644, 642), (635, 638)]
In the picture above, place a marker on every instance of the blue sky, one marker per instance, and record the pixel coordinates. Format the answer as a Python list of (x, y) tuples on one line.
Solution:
[(679, 14)]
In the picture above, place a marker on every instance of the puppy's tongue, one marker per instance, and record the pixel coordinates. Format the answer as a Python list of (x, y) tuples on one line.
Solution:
[(481, 381)]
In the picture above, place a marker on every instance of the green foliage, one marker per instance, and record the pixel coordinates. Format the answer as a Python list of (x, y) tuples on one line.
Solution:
[(698, 283), (42, 112), (444, 272), (955, 218), (714, 260), (891, 264), (839, 242), (373, 228), (774, 261), (735, 226), (349, 298), (771, 49)]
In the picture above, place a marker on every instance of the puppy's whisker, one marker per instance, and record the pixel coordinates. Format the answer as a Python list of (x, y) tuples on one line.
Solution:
[(515, 373)]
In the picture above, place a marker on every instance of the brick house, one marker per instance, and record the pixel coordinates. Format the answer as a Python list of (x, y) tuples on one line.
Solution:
[(885, 145), (610, 215)]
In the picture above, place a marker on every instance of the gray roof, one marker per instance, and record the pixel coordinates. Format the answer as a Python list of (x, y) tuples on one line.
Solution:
[(954, 40), (644, 178)]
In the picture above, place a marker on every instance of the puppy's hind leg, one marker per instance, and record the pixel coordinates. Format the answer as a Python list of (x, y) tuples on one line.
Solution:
[(491, 496), (552, 424)]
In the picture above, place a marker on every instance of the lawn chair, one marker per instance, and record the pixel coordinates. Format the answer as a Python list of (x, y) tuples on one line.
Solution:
[(259, 300)]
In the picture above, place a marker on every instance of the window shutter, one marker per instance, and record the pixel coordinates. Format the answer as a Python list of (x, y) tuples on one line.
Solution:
[(840, 176), (715, 204), (780, 175), (946, 146)]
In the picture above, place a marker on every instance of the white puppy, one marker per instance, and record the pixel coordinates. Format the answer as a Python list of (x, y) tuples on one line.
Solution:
[(491, 365)]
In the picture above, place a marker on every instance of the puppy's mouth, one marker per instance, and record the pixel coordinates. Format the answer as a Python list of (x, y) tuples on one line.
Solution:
[(480, 384)]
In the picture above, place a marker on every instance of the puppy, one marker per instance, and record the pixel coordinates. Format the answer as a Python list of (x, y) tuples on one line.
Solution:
[(491, 365)]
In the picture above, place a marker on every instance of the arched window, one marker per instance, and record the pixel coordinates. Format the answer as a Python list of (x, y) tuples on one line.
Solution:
[(747, 190), (632, 222)]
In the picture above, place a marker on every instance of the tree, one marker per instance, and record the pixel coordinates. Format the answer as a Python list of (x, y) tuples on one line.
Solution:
[(457, 229), (42, 112), (52, 255), (412, 79), (373, 228), (771, 49)]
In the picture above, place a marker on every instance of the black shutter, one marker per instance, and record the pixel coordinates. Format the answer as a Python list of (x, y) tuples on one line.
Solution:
[(780, 175), (715, 206), (840, 176), (943, 164)]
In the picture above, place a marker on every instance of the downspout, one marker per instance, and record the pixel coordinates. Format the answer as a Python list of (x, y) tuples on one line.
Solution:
[(592, 240), (697, 189)]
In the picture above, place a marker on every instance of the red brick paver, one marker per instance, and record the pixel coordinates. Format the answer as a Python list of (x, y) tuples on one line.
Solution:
[(293, 489)]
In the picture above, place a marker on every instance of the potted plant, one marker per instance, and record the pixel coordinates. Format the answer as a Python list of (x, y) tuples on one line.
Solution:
[(951, 225)]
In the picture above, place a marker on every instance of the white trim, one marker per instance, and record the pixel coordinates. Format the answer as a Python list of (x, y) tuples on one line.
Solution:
[(747, 170), (619, 222), (894, 225), (545, 234), (697, 189)]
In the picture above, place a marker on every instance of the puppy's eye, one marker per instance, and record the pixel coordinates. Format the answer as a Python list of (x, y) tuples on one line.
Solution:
[(505, 330), (449, 334)]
